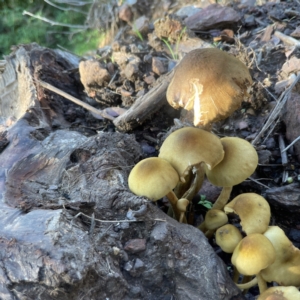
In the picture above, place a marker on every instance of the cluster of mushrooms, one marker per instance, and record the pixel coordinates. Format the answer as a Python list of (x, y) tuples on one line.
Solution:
[(189, 154)]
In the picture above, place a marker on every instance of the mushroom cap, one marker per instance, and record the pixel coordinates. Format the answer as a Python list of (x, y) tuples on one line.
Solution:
[(253, 254), (253, 210), (215, 218), (189, 146), (210, 81), (182, 204), (153, 178), (228, 237), (286, 268), (239, 162), (280, 293)]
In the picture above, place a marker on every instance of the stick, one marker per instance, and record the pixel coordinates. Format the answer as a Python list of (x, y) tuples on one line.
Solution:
[(144, 106), (53, 23), (113, 221), (291, 144), (287, 39), (284, 158), (277, 109), (92, 109)]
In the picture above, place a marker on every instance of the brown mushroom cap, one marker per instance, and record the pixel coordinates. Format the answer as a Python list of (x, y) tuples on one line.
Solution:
[(239, 162), (215, 218), (253, 254), (210, 81), (153, 178), (253, 210), (280, 293), (189, 146), (286, 268), (228, 237)]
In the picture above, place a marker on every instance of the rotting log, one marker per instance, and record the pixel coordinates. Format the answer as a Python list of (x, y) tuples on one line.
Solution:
[(66, 212)]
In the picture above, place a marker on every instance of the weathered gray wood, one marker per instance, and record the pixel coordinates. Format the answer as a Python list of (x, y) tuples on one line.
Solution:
[(144, 106), (49, 175)]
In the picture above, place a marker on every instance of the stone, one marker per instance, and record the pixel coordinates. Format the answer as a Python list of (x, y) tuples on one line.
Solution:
[(212, 16), (135, 245)]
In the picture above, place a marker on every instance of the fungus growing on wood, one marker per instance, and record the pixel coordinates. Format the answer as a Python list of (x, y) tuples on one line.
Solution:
[(211, 82), (253, 254), (253, 210), (280, 293), (154, 178), (239, 162), (188, 147), (286, 268), (228, 237)]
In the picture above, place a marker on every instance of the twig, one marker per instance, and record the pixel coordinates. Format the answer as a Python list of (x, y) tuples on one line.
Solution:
[(65, 8), (287, 39), (284, 158), (114, 221), (256, 181), (53, 23), (277, 109), (291, 144), (92, 109), (75, 3)]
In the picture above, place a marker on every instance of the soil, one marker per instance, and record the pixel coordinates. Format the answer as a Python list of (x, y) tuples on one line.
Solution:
[(118, 80)]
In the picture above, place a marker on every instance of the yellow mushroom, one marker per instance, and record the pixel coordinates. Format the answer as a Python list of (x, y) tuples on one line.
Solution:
[(253, 254), (155, 178), (253, 210), (239, 162), (280, 293), (228, 237), (286, 268)]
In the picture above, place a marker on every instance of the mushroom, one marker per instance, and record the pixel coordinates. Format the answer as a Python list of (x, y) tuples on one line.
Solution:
[(253, 210), (253, 254), (228, 237), (182, 204), (214, 218), (286, 268), (188, 147), (239, 162), (211, 82), (154, 178), (280, 293)]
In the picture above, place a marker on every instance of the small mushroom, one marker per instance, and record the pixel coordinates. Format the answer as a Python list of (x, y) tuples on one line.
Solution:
[(188, 147), (253, 254), (253, 210), (214, 218), (154, 178), (286, 268), (211, 82), (182, 204), (239, 162), (280, 293), (228, 237)]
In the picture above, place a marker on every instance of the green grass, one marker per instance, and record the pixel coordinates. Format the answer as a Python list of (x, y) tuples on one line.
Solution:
[(17, 28)]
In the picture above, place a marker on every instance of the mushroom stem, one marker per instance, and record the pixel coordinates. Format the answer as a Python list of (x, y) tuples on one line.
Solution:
[(236, 275), (223, 198), (198, 172), (183, 186), (173, 201), (262, 285), (209, 233), (247, 285), (202, 227)]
